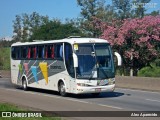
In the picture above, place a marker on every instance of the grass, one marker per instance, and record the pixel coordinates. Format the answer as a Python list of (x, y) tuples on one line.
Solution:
[(5, 107), (5, 58)]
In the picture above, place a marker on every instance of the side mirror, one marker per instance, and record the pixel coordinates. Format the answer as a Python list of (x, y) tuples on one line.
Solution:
[(75, 60), (119, 58)]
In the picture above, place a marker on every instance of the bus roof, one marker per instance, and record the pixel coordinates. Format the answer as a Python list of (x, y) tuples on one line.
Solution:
[(68, 40)]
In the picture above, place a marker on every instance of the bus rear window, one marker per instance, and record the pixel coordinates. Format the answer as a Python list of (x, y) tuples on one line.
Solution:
[(15, 52)]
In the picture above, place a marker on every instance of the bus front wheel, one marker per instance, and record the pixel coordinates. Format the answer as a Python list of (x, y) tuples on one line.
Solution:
[(24, 84), (62, 89)]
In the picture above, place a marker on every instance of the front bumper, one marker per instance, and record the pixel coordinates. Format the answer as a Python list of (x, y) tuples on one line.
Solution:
[(96, 89)]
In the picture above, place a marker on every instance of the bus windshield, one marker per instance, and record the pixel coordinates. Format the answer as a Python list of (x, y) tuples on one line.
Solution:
[(94, 61)]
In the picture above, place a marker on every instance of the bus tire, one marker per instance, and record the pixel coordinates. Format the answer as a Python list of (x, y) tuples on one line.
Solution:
[(24, 84), (62, 89)]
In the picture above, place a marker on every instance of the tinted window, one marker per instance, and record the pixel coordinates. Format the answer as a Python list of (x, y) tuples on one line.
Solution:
[(16, 52), (69, 59), (59, 51), (33, 52), (49, 51), (24, 52), (40, 51)]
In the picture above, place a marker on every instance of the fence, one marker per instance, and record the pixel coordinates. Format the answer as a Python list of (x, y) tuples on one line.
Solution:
[(143, 83)]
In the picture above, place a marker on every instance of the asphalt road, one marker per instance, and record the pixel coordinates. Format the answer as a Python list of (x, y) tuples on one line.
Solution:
[(120, 100)]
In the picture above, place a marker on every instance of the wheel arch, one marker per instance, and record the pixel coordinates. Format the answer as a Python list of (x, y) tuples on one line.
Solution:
[(61, 80), (24, 77)]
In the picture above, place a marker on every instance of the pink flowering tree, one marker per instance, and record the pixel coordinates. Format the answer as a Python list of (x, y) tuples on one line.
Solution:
[(137, 40)]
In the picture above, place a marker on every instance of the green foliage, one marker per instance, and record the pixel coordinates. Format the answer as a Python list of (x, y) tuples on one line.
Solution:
[(4, 43), (154, 13), (55, 30), (25, 24), (4, 58), (9, 108), (91, 9), (151, 71), (139, 11), (123, 8), (28, 27)]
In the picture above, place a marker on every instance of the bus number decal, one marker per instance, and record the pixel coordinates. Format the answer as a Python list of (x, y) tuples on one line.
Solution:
[(55, 67)]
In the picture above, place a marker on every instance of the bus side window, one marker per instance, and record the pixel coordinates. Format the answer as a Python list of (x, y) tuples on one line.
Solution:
[(52, 53), (29, 53), (49, 51), (13, 52), (58, 51), (40, 52), (43, 55), (18, 53), (23, 52), (46, 52), (33, 52), (61, 51)]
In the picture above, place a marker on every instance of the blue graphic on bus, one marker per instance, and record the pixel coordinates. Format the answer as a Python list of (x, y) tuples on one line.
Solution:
[(34, 72)]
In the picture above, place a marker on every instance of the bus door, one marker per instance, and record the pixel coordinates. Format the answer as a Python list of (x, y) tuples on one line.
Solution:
[(69, 66)]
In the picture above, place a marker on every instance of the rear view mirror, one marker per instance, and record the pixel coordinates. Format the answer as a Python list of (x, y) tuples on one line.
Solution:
[(119, 58), (75, 60)]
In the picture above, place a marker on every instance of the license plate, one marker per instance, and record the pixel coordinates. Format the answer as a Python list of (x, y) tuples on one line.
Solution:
[(98, 89)]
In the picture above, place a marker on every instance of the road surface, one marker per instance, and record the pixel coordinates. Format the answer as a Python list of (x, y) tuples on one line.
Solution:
[(120, 100)]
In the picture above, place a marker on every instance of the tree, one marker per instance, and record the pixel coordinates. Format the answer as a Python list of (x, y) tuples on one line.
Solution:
[(17, 28), (91, 9), (55, 30), (137, 40), (139, 10), (123, 8), (25, 24), (154, 13), (25, 29)]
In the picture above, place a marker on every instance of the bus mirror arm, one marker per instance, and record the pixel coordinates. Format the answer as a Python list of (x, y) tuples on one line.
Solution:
[(75, 60), (119, 58)]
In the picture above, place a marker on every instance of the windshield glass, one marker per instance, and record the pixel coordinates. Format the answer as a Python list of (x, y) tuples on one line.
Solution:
[(94, 61)]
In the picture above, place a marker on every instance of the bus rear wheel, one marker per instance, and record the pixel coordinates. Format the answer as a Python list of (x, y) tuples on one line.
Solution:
[(24, 84), (62, 89)]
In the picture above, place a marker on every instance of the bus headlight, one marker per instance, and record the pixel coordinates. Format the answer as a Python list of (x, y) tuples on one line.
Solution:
[(111, 81), (81, 84)]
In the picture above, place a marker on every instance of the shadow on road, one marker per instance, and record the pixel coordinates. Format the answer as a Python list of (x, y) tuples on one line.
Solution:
[(7, 84), (102, 95), (80, 96)]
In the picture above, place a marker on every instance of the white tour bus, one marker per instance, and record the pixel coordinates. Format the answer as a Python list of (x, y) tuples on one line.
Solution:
[(71, 65)]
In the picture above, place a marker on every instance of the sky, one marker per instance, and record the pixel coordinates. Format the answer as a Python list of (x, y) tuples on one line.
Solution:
[(60, 9)]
